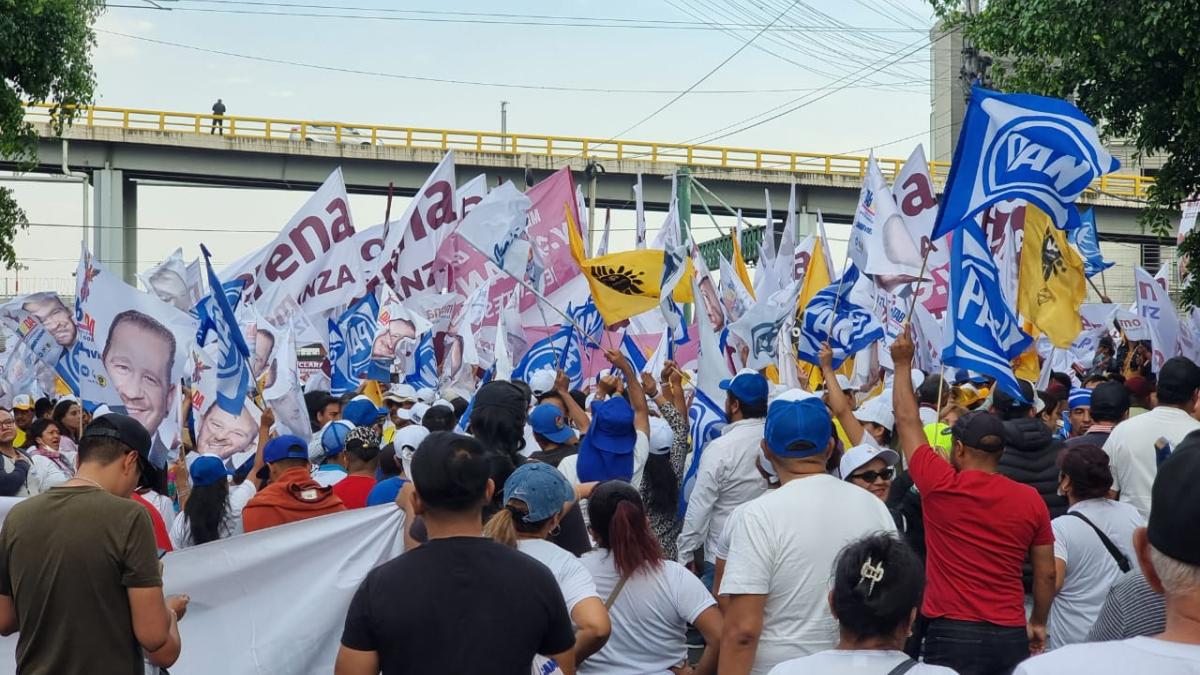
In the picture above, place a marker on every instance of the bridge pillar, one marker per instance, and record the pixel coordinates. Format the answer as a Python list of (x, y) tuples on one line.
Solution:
[(115, 243)]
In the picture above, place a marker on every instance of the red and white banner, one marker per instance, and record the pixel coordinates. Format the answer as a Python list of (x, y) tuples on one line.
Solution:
[(298, 266)]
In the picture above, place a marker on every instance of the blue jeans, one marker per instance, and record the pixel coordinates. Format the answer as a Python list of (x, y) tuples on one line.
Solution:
[(706, 575), (975, 648)]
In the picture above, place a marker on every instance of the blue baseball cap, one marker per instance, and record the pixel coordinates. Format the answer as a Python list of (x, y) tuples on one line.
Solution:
[(208, 470), (606, 452), (547, 420), (748, 386), (333, 436), (362, 412), (798, 425), (285, 447), (541, 487)]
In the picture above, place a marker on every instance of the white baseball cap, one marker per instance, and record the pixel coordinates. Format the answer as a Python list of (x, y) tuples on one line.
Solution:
[(877, 410), (542, 381), (417, 412), (662, 437), (426, 395), (861, 455), (401, 393)]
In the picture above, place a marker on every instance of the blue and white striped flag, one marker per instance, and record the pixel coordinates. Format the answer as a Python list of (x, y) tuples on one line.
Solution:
[(848, 332), (981, 332), (233, 365), (233, 295), (1021, 146), (423, 370), (1087, 242)]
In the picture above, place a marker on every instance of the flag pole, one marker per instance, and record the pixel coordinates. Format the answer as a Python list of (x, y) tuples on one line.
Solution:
[(912, 304), (1103, 296), (526, 285)]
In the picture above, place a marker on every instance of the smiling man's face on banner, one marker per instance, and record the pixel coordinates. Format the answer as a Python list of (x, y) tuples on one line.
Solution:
[(139, 356)]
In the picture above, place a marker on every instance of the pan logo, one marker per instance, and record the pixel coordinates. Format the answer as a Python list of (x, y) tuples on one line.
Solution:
[(1042, 154)]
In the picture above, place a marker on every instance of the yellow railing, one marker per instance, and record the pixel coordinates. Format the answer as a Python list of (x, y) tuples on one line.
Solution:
[(372, 135)]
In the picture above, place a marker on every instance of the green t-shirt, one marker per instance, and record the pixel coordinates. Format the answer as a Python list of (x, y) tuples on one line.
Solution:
[(66, 558)]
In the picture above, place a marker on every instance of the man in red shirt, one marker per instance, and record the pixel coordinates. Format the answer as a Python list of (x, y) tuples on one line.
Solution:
[(292, 494), (979, 528)]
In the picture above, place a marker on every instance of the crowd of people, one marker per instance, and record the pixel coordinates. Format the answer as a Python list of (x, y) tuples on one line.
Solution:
[(920, 527)]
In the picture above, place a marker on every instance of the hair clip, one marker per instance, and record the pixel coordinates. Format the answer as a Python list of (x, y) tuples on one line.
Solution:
[(872, 573)]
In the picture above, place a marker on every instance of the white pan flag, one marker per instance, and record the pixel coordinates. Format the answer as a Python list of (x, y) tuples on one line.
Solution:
[(1156, 309), (496, 228), (880, 243)]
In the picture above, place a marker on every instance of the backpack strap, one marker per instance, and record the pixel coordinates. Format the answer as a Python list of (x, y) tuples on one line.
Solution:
[(616, 592), (903, 667), (1115, 552)]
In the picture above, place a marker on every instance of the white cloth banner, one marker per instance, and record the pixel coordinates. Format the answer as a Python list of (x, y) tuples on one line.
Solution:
[(880, 242), (171, 281), (297, 266), (1156, 309), (271, 602)]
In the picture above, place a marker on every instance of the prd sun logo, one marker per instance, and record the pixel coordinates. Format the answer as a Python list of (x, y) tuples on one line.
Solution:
[(620, 279)]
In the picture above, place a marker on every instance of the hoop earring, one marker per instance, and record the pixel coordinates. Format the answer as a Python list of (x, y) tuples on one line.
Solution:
[(556, 531)]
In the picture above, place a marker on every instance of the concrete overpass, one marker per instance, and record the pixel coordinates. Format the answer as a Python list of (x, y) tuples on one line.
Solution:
[(119, 147)]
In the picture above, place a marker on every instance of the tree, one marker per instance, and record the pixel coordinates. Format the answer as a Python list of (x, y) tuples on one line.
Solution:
[(45, 56), (1131, 66)]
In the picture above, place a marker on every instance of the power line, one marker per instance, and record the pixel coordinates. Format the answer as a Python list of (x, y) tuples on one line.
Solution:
[(695, 84), (439, 80), (570, 22)]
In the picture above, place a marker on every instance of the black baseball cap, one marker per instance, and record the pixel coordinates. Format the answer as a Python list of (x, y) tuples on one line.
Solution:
[(1175, 503), (450, 471), (1008, 406), (1178, 379), (504, 395), (1110, 402), (980, 430), (129, 432)]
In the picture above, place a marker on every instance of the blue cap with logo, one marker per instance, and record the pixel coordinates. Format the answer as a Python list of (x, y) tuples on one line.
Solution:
[(362, 412), (798, 425), (541, 487), (208, 470), (748, 386), (547, 420), (285, 447), (333, 437), (606, 452)]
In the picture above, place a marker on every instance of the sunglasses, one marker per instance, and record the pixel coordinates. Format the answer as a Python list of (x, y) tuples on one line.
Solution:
[(872, 476)]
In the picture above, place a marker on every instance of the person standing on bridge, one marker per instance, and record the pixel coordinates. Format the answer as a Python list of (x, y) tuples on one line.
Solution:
[(218, 121)]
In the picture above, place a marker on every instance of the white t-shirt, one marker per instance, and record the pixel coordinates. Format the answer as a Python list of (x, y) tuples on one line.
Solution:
[(649, 617), (864, 662), (239, 495), (1122, 657), (44, 474), (328, 475), (783, 545), (1130, 447), (573, 579), (1091, 569)]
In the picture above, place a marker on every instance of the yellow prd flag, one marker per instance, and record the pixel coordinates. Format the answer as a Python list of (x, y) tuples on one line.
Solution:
[(739, 263), (1026, 366), (683, 291), (623, 284), (1052, 285), (372, 391)]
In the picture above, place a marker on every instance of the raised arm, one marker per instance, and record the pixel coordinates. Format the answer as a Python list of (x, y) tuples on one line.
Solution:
[(577, 415), (673, 376), (637, 397), (904, 399), (264, 435), (838, 403)]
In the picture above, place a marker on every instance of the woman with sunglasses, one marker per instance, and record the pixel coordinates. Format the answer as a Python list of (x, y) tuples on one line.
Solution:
[(870, 468)]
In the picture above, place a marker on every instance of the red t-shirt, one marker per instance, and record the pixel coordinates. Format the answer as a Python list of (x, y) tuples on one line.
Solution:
[(162, 540), (353, 490), (979, 528)]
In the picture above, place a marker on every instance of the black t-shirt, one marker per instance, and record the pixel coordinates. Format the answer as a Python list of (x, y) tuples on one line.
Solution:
[(459, 605)]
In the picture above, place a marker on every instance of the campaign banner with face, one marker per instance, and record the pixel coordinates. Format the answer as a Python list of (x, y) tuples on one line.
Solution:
[(131, 351), (298, 265), (233, 438), (42, 323)]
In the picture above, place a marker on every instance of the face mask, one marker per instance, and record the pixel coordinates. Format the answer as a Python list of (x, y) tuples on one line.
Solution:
[(767, 468)]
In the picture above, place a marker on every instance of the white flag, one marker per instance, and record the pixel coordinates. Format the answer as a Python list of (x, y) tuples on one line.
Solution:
[(880, 243)]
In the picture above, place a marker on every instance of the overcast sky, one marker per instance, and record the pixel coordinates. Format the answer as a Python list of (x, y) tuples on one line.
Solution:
[(661, 45)]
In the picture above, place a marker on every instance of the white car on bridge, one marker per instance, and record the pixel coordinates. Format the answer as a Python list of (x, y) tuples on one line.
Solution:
[(327, 133)]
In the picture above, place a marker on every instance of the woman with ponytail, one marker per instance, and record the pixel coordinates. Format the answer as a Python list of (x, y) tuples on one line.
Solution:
[(535, 498), (650, 599), (877, 586)]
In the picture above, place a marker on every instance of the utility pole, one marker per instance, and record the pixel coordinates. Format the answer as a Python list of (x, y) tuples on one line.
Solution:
[(504, 124), (974, 65)]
